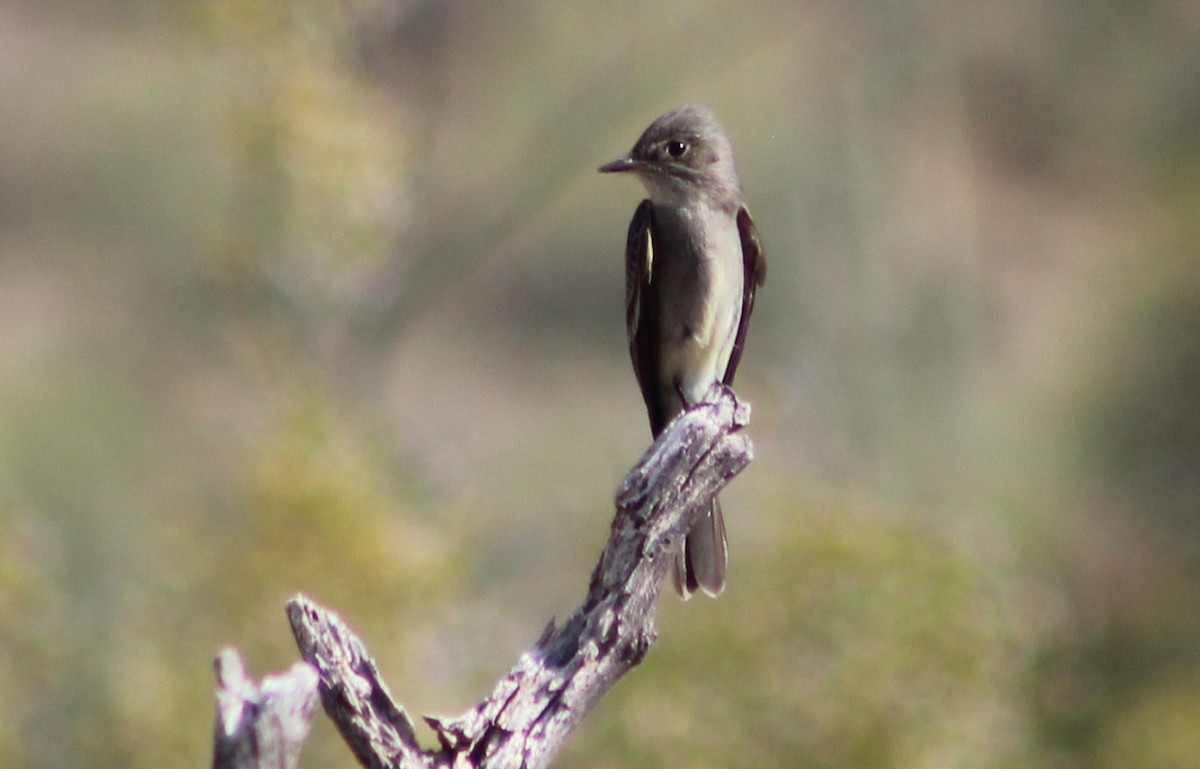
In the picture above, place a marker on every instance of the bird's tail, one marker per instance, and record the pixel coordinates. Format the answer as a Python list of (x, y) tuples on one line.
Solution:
[(701, 562)]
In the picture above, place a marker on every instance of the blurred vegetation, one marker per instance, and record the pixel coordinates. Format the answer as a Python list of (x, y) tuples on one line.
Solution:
[(324, 296), (859, 639)]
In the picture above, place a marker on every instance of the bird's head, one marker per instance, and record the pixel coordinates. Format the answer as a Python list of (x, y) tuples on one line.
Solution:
[(682, 157)]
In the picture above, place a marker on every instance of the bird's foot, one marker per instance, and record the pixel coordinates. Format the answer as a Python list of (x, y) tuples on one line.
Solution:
[(716, 392)]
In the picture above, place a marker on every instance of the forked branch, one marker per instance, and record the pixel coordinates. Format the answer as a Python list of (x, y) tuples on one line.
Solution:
[(532, 710)]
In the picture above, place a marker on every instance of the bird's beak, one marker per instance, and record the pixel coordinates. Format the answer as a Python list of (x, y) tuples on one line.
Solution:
[(622, 165)]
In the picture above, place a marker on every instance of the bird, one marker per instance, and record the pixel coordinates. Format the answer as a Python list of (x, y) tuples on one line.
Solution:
[(693, 264)]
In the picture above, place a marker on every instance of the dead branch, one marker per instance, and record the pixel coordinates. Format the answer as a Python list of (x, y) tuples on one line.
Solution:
[(532, 710), (261, 727)]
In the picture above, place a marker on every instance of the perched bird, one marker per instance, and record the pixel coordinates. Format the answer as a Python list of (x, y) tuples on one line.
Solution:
[(693, 262)]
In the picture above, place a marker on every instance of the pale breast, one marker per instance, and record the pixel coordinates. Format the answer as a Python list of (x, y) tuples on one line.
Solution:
[(698, 263)]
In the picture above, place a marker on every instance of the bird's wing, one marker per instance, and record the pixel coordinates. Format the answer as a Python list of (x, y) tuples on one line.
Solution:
[(641, 312), (754, 272)]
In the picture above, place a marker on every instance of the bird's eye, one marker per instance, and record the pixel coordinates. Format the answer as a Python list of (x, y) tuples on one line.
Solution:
[(676, 149)]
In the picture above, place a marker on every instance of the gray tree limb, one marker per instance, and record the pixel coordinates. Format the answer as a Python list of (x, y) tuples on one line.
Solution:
[(261, 726), (533, 709)]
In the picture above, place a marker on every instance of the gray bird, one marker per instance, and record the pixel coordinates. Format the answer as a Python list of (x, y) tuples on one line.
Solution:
[(693, 262)]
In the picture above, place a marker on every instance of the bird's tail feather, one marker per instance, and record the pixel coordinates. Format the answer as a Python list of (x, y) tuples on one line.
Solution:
[(701, 562)]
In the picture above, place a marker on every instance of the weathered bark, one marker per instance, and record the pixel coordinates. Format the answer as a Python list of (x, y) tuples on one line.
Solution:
[(261, 727), (532, 710)]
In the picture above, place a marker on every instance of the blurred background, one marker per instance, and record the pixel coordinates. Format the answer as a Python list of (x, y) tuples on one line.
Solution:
[(326, 296)]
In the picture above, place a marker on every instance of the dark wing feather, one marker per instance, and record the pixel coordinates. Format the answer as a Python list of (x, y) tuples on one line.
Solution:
[(754, 272), (641, 312)]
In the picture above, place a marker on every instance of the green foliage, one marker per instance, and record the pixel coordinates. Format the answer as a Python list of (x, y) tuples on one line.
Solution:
[(32, 620), (852, 639), (1157, 730), (1117, 684), (321, 508), (319, 157)]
